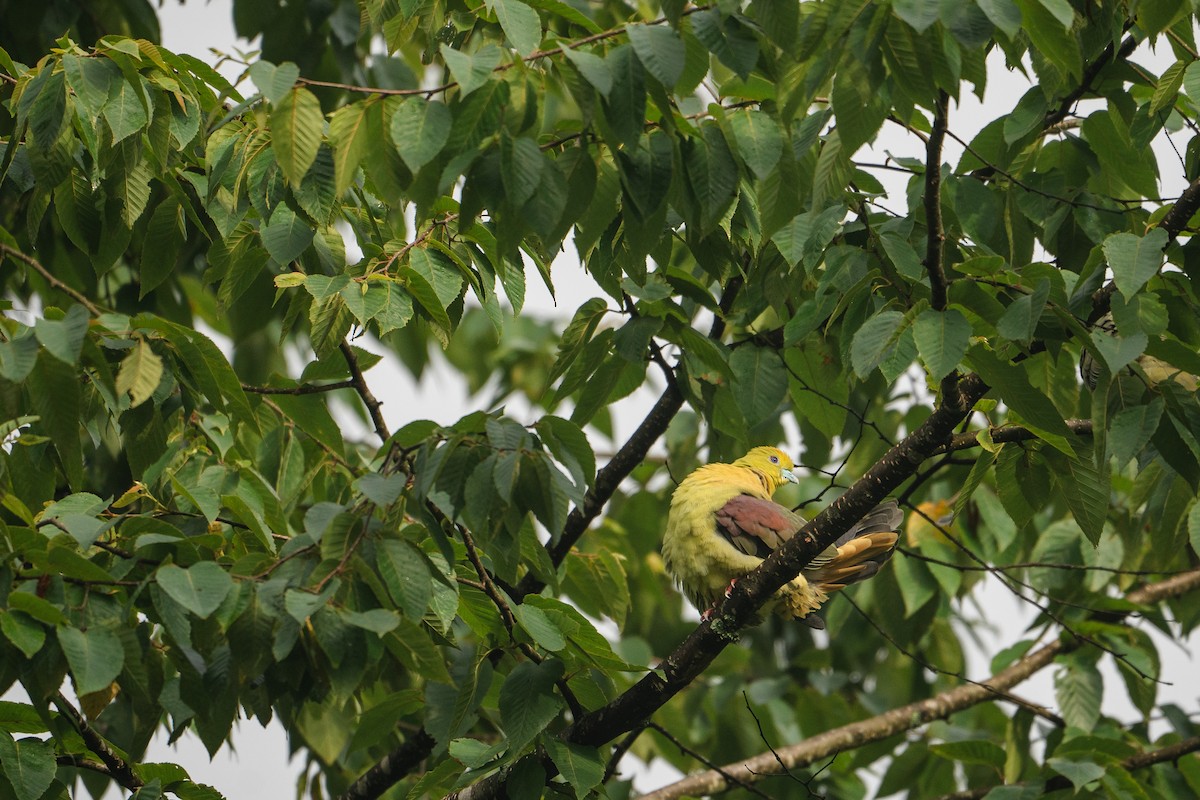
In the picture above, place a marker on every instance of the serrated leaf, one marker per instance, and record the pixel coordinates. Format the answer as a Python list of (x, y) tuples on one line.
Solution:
[(1167, 88), (95, 656), (274, 82), (350, 136), (63, 338), (1013, 387), (1134, 259), (581, 766), (1191, 81), (1079, 689), (520, 23), (1079, 773), (920, 14), (759, 140), (125, 111), (25, 634), (1132, 429), (419, 130), (871, 341), (1117, 350), (942, 340), (660, 50), (470, 71), (538, 625), (201, 588), (406, 576), (976, 751), (140, 373), (286, 235), (593, 68), (760, 382), (296, 128), (527, 701), (29, 764)]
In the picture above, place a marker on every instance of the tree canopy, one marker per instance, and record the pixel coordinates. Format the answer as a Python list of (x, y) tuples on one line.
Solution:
[(199, 275)]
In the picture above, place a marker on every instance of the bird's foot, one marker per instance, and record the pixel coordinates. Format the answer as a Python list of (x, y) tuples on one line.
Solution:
[(729, 588)]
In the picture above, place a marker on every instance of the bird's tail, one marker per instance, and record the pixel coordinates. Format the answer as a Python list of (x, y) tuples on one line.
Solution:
[(860, 552)]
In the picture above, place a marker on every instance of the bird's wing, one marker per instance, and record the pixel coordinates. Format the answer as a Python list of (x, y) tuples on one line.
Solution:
[(756, 526)]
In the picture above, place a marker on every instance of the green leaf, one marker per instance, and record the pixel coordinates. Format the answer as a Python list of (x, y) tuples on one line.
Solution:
[(26, 634), (57, 397), (520, 23), (593, 68), (95, 656), (406, 576), (140, 373), (625, 105), (1167, 89), (18, 357), (63, 338), (581, 766), (538, 625), (350, 136), (1134, 259), (660, 50), (91, 79), (125, 110), (1080, 773), (942, 340), (470, 71), (29, 764), (918, 13), (1132, 429), (1193, 526), (1020, 319), (1191, 81), (872, 340), (1117, 350), (1086, 489), (1079, 689), (759, 140), (1013, 387), (977, 751), (296, 127), (1004, 14), (419, 130), (286, 235), (760, 382), (382, 490), (274, 82), (160, 249), (527, 701), (521, 166), (201, 588)]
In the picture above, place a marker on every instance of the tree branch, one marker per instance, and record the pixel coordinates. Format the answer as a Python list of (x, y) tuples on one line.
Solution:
[(304, 388), (118, 769), (74, 294), (1172, 752), (360, 385), (912, 715), (1003, 434), (936, 235), (632, 453), (391, 768)]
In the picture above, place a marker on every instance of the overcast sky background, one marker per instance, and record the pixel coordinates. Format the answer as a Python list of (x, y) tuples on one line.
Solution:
[(258, 765)]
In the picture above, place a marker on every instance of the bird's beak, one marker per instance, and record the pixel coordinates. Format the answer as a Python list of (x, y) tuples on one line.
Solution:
[(788, 476)]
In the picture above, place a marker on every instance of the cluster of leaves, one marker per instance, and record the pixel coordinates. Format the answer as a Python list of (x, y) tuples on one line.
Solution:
[(189, 536)]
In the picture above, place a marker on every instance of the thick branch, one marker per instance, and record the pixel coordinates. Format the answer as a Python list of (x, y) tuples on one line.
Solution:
[(913, 715), (391, 768), (1172, 752), (936, 236), (117, 767)]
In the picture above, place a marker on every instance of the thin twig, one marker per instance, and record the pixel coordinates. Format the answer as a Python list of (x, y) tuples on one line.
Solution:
[(74, 294), (360, 385), (304, 388)]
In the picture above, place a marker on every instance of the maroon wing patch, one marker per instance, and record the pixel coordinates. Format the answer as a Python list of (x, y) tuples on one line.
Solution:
[(755, 526)]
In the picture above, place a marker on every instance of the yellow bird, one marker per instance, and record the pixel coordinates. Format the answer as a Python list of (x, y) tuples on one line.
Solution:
[(723, 523)]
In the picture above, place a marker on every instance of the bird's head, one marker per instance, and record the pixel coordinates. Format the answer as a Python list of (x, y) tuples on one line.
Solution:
[(774, 465)]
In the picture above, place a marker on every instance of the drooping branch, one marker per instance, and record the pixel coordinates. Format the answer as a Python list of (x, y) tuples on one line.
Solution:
[(912, 715)]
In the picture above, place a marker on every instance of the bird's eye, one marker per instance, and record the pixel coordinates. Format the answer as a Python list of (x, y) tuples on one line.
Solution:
[(774, 459)]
